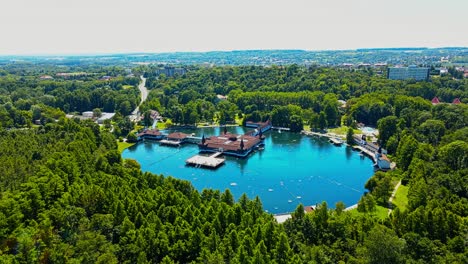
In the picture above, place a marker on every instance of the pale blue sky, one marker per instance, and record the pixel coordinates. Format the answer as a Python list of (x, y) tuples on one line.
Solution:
[(110, 26)]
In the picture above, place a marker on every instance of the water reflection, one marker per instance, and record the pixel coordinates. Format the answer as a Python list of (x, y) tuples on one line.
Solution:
[(242, 163), (284, 138), (149, 146), (348, 152), (320, 143)]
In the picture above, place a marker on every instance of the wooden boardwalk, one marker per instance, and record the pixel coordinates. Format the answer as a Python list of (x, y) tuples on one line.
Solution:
[(203, 161), (336, 141), (366, 152), (333, 138)]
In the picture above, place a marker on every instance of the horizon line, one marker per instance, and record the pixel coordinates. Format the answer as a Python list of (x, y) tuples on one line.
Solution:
[(97, 54)]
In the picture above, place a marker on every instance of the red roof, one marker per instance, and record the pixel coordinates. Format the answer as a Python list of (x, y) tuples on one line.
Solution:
[(456, 101), (308, 209), (177, 136), (231, 142), (435, 100), (384, 157), (151, 132)]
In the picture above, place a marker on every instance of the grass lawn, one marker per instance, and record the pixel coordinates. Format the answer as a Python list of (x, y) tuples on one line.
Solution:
[(123, 145), (125, 87), (239, 120), (380, 212), (342, 130), (401, 197), (161, 125)]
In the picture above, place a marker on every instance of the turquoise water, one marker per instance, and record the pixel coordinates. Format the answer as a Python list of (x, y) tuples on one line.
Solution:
[(292, 169), (368, 130)]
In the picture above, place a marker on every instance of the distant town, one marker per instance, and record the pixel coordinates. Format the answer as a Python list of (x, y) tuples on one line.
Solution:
[(438, 57)]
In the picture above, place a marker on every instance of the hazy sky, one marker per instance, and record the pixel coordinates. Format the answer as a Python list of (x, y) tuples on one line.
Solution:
[(110, 26)]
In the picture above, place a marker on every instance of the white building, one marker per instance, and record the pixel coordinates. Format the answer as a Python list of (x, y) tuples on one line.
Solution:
[(88, 114), (104, 117), (383, 162)]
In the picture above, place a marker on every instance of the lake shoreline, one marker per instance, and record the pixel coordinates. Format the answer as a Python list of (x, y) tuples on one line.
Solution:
[(292, 169)]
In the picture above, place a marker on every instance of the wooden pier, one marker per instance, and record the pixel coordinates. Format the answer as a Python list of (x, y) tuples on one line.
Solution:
[(336, 141), (281, 128), (333, 138), (206, 161), (367, 152)]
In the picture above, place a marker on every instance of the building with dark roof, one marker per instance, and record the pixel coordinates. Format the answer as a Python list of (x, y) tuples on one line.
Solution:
[(152, 134), (260, 127), (174, 139), (177, 136)]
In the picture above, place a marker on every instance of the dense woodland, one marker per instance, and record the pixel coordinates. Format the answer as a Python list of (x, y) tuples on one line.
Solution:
[(25, 97), (294, 95), (67, 195)]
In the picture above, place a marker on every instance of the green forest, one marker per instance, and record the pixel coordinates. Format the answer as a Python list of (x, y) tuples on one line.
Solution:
[(67, 196)]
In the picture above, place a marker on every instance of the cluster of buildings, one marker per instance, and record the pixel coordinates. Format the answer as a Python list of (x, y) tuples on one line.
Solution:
[(172, 139), (464, 70), (71, 74), (363, 65), (90, 115), (374, 151), (225, 144), (66, 75), (436, 101)]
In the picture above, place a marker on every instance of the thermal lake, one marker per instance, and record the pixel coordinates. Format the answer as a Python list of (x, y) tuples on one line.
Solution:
[(291, 169)]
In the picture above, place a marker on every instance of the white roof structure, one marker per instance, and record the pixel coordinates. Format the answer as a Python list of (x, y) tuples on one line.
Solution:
[(282, 218), (105, 116)]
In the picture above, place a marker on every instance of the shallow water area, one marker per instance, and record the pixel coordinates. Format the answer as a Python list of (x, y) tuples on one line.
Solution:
[(291, 169)]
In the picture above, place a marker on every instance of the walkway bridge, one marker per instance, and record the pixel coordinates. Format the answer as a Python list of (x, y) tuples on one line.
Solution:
[(193, 139)]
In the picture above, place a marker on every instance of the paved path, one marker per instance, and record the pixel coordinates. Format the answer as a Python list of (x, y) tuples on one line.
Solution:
[(392, 197), (144, 94)]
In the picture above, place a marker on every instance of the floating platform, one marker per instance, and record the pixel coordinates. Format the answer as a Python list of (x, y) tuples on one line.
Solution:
[(206, 161), (170, 142), (281, 128)]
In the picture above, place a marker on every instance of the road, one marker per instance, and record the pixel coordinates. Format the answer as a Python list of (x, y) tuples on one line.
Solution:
[(392, 197), (143, 92)]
